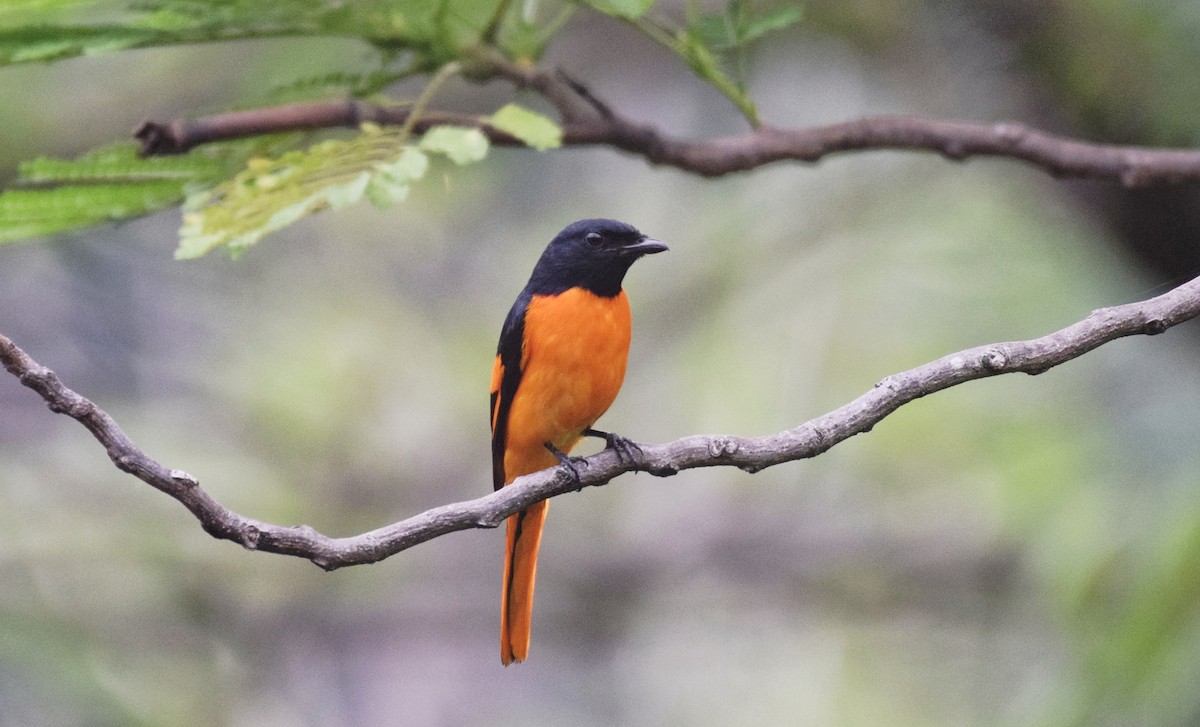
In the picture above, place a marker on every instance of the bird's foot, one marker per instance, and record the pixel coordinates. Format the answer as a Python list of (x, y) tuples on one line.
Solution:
[(627, 450), (569, 463)]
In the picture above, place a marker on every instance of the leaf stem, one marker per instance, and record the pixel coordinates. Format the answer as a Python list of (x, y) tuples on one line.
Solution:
[(493, 27), (444, 73), (700, 60)]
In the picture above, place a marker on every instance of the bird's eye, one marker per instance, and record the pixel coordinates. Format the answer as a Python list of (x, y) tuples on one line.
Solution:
[(594, 239)]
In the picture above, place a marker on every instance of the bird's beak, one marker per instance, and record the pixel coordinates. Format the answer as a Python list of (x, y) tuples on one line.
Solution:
[(644, 246)]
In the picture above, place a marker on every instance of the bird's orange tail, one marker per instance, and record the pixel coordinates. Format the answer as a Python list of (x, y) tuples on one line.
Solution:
[(520, 571)]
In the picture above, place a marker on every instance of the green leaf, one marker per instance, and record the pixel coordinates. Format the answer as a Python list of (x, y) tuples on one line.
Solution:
[(462, 145), (736, 28), (706, 64), (203, 232), (714, 31), (628, 9), (410, 166), (755, 28), (392, 180), (27, 44), (383, 192), (270, 194), (41, 30), (714, 45), (439, 31), (536, 130), (26, 213), (108, 184), (120, 163)]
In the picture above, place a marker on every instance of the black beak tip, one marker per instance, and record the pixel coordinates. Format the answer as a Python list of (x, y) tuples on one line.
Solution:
[(649, 246)]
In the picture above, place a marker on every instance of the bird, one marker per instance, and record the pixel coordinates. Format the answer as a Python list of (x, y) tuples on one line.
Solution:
[(559, 365)]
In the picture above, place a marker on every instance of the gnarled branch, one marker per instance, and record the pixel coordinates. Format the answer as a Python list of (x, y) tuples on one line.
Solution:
[(810, 439), (588, 121)]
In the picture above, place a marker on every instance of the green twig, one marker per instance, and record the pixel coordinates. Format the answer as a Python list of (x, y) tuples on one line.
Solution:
[(492, 31), (701, 61), (444, 73)]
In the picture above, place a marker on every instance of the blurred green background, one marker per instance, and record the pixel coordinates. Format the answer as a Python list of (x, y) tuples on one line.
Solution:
[(1015, 551)]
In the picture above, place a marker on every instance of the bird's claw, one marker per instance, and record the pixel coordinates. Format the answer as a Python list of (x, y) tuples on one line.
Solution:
[(627, 450), (569, 463)]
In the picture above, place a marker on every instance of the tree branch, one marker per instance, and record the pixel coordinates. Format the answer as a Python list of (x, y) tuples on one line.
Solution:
[(749, 453), (180, 136), (588, 121)]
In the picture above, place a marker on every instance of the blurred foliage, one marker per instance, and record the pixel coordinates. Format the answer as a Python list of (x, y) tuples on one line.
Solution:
[(109, 184), (1018, 551), (1154, 36), (410, 37), (272, 194)]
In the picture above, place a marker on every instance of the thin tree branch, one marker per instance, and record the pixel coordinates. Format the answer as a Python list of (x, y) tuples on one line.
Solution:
[(749, 453), (588, 121), (180, 136)]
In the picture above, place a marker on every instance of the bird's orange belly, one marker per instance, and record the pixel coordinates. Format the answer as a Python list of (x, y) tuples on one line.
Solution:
[(576, 346)]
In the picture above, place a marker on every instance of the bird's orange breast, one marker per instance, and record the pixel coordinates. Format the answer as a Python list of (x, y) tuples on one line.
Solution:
[(573, 362)]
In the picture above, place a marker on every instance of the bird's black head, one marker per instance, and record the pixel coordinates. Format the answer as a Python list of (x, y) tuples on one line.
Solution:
[(590, 254)]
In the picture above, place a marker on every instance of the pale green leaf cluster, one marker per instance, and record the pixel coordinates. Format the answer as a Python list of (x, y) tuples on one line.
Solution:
[(269, 194), (378, 164), (391, 180), (232, 204), (112, 184), (410, 37)]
